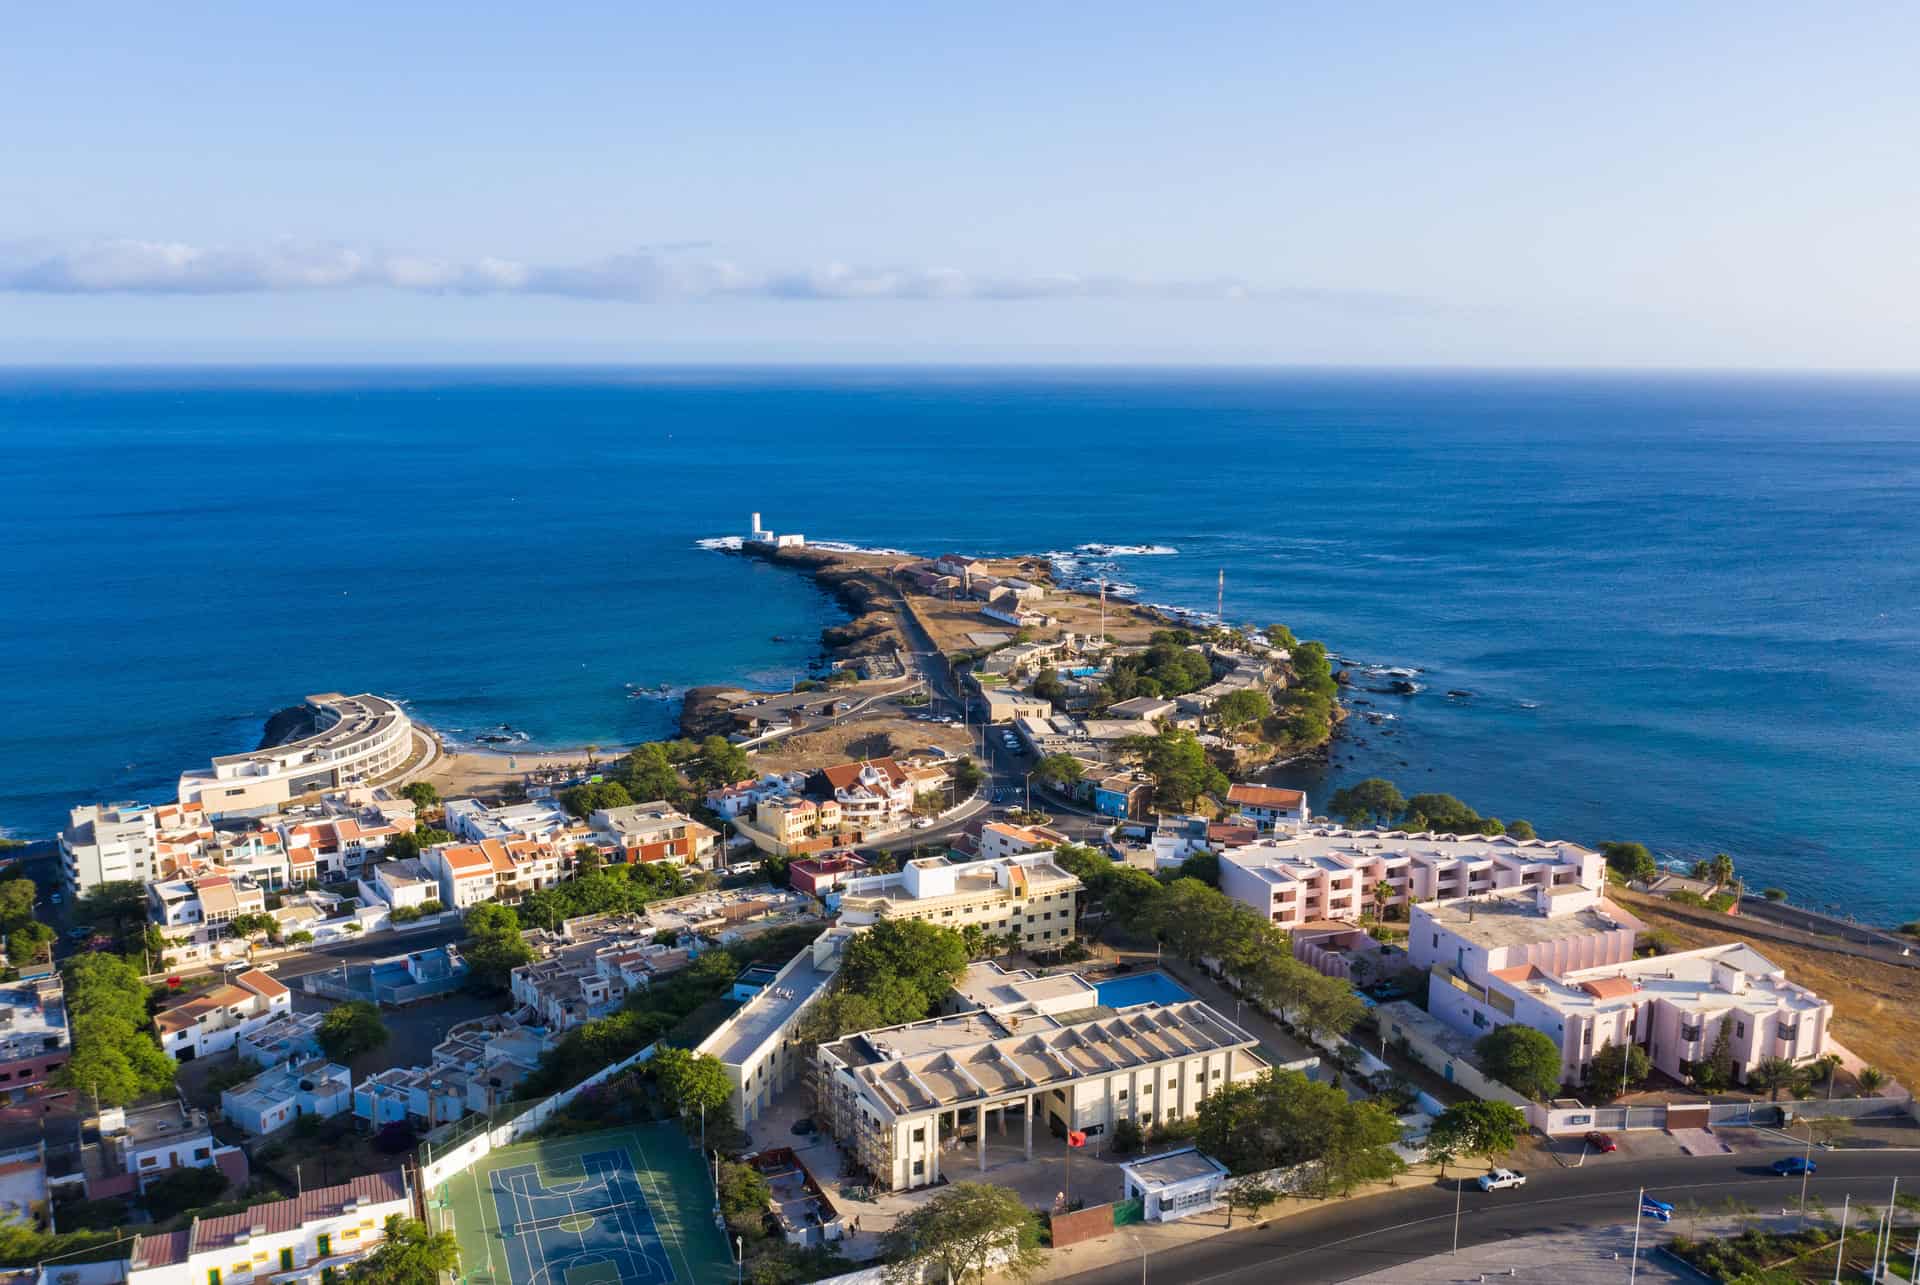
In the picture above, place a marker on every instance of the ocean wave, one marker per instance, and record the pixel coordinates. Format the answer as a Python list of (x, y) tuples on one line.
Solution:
[(721, 543), (841, 546), (1128, 550)]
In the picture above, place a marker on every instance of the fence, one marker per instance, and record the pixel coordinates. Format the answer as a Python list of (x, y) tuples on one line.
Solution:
[(457, 1146), (1769, 1113)]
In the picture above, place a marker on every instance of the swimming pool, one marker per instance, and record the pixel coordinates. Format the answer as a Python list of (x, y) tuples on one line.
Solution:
[(1143, 988)]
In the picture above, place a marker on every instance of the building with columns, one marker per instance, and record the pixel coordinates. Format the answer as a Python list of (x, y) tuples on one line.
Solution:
[(896, 1097)]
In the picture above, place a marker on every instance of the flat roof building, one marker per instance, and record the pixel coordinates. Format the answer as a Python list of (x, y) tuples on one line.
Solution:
[(1027, 898), (357, 741)]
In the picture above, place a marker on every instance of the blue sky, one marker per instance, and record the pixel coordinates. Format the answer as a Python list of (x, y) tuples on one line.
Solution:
[(1708, 185)]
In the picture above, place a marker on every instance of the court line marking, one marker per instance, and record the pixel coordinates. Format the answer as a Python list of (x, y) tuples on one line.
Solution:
[(653, 1200)]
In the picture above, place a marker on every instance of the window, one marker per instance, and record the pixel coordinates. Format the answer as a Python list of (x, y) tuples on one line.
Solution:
[(920, 1135), (286, 1260), (325, 1245), (1479, 1018), (919, 1167), (1739, 1030), (203, 1153), (1216, 1072), (213, 1276), (1145, 1089), (1123, 1095)]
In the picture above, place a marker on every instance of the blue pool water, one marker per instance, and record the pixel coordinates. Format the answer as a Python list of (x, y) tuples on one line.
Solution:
[(1142, 988)]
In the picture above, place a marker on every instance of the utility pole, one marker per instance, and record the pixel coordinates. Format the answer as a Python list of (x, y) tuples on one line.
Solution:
[(1459, 1184), (1633, 1267), (1841, 1257)]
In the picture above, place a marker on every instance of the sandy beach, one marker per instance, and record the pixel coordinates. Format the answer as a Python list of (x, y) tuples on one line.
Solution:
[(458, 773)]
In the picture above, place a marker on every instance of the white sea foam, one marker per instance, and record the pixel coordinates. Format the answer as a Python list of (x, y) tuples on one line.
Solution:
[(1128, 550), (727, 543)]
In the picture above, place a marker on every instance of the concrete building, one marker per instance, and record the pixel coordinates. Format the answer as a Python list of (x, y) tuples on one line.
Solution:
[(406, 883), (107, 843), (543, 820), (1005, 839), (767, 539), (873, 795), (469, 873), (310, 1240), (359, 740), (579, 983), (1026, 897), (1150, 709), (1333, 873), (476, 1068), (291, 1037), (1005, 705), (818, 876), (1269, 808), (211, 1022), (1175, 1184), (279, 1095), (911, 1101), (655, 831), (35, 1039), (139, 1144), (211, 900), (756, 1044)]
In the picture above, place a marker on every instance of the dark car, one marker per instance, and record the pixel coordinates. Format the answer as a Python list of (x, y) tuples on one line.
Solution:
[(1794, 1166), (1602, 1142), (804, 1127)]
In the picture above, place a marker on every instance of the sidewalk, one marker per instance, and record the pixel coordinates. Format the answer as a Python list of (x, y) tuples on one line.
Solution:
[(1562, 1258)]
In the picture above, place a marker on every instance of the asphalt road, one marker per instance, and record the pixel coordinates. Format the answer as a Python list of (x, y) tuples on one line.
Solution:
[(1349, 1238)]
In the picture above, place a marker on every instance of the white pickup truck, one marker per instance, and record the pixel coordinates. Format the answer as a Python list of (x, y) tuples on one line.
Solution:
[(1501, 1179)]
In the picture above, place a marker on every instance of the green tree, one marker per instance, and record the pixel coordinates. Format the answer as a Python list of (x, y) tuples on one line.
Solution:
[(1870, 1079), (1179, 766), (1487, 1129), (1523, 1059), (1616, 1068), (928, 958), (967, 777), (403, 847), (421, 792), (1202, 866), (1250, 1197), (721, 762), (30, 944), (1061, 771), (961, 1234), (1714, 1072), (1048, 686), (1631, 861), (114, 1053), (350, 1029), (1371, 802), (117, 903), (1773, 1075), (744, 1196), (1445, 814), (689, 1081), (174, 1193), (17, 897), (1237, 709), (494, 946), (649, 773), (1127, 1137), (1327, 1007), (1284, 1119), (411, 1254), (1521, 829), (584, 800), (1720, 870)]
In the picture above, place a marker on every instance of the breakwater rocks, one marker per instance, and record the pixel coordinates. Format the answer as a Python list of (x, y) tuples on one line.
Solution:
[(704, 710), (291, 724)]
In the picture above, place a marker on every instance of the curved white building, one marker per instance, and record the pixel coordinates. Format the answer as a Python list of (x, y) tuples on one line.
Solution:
[(360, 740)]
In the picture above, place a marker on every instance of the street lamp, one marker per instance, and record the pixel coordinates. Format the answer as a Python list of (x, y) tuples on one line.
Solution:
[(1029, 785)]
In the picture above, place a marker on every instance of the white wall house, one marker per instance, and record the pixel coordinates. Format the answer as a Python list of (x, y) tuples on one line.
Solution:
[(305, 1241), (211, 1022)]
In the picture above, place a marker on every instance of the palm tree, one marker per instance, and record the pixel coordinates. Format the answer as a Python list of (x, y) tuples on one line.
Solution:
[(1382, 898), (591, 760), (1870, 1079)]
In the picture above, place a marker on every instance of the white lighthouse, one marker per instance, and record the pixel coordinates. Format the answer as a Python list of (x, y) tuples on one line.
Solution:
[(761, 536)]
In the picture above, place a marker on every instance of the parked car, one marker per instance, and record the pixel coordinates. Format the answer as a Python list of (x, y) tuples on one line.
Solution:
[(1602, 1142), (1501, 1179), (803, 1127), (1794, 1166)]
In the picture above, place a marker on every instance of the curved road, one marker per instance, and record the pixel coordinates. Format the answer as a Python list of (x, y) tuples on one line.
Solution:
[(1344, 1239)]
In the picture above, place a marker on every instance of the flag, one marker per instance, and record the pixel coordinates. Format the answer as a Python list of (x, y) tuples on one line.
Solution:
[(1075, 1138)]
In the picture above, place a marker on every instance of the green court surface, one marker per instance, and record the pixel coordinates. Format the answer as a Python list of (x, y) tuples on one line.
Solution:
[(626, 1206)]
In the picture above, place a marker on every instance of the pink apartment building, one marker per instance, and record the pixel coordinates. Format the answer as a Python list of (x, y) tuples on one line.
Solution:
[(1561, 961), (1332, 873)]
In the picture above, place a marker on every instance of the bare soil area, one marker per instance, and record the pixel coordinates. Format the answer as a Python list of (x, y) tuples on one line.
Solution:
[(868, 738)]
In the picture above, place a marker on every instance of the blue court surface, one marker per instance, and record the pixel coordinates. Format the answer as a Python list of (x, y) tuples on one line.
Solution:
[(1143, 988), (586, 1230)]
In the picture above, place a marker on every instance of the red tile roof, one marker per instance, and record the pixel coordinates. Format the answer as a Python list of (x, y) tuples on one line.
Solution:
[(286, 1215), (1265, 796), (844, 776)]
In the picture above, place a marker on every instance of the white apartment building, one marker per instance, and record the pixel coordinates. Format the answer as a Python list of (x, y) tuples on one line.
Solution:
[(360, 739), (282, 1094), (310, 1240), (1268, 807), (1026, 897), (654, 831), (1330, 873), (543, 820), (873, 794), (915, 1102), (405, 884), (106, 843), (212, 1021), (211, 900), (139, 1144), (756, 1044)]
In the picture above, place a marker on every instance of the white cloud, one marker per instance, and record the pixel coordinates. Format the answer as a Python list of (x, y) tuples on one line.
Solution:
[(674, 272)]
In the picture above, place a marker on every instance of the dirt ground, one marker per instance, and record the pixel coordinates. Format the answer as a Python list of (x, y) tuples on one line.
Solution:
[(487, 773), (1876, 1006), (868, 738), (949, 623)]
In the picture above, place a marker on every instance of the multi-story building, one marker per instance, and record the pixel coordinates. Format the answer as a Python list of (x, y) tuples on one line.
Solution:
[(469, 873), (282, 1094), (139, 1144), (873, 794), (655, 831), (310, 1240), (1269, 807), (1028, 898), (579, 983), (910, 1102), (35, 1040), (818, 876), (756, 1044), (1005, 839), (406, 884), (540, 819), (798, 825), (108, 843), (211, 900), (359, 740), (1561, 961), (212, 1021), (476, 1068), (1333, 873)]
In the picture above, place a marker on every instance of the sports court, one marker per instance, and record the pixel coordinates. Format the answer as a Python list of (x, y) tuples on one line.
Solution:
[(630, 1206)]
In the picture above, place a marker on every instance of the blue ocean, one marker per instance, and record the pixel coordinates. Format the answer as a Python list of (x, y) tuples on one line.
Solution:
[(1685, 609)]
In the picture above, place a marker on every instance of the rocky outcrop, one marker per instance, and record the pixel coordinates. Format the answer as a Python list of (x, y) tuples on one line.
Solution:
[(705, 710), (290, 724)]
